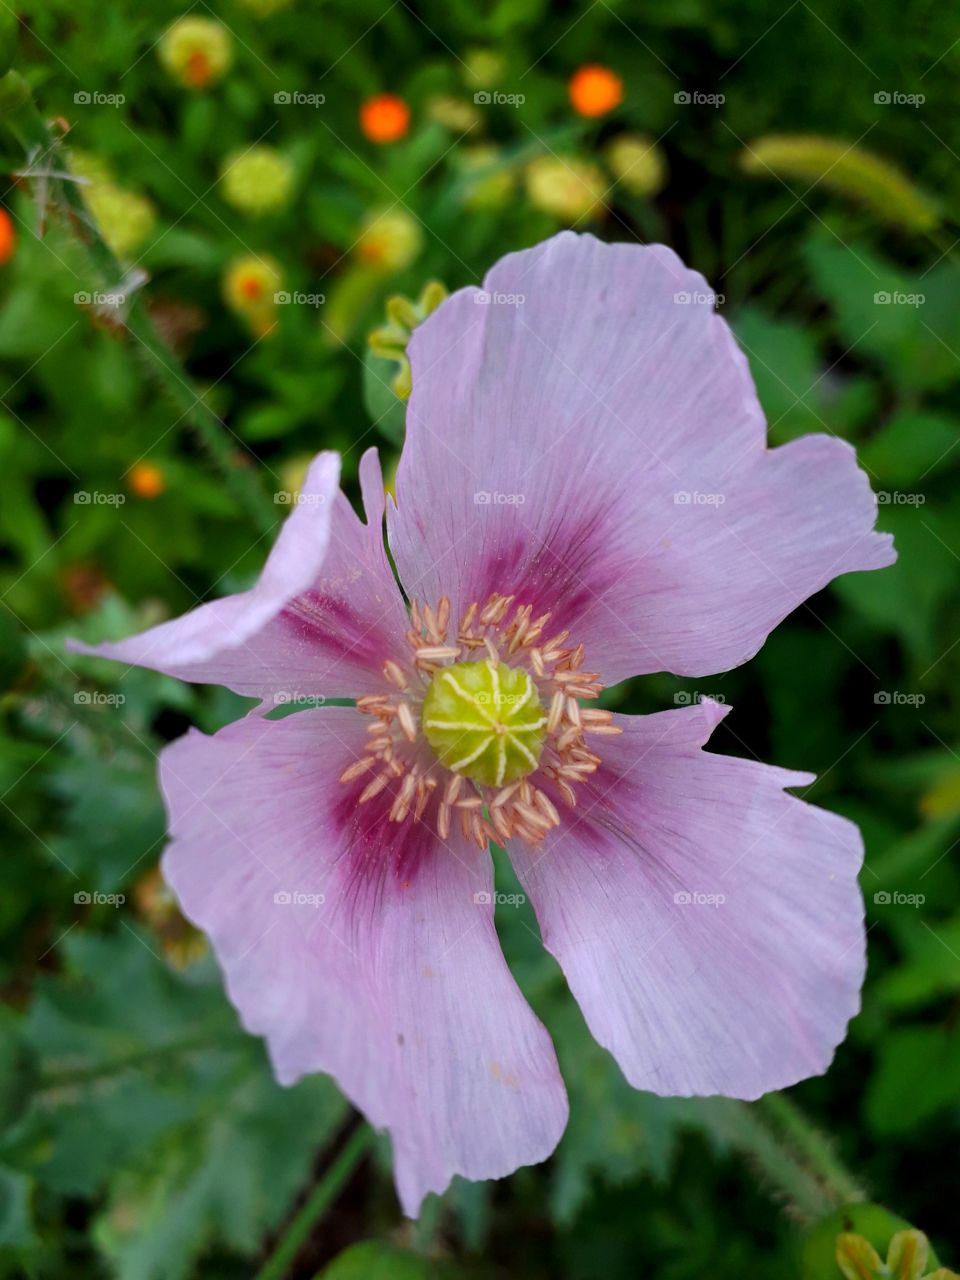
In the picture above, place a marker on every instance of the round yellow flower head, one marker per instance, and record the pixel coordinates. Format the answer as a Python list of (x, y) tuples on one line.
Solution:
[(491, 188), (637, 163), (257, 181), (390, 240), (483, 68), (88, 165), (250, 283), (125, 218), (456, 114), (196, 51), (566, 187)]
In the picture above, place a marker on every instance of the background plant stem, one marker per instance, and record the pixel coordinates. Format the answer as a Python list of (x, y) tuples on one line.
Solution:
[(316, 1205)]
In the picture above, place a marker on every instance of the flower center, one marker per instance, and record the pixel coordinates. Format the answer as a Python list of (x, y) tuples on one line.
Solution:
[(482, 724), (484, 721)]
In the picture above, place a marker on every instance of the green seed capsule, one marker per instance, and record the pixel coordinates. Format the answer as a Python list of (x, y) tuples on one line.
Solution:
[(485, 721)]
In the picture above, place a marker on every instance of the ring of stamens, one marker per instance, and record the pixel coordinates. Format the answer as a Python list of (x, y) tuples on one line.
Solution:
[(498, 634)]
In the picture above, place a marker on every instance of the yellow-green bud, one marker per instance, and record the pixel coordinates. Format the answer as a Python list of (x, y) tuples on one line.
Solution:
[(566, 187), (390, 240), (485, 721), (489, 185), (482, 68), (851, 1242), (249, 284), (125, 218), (455, 114), (257, 181), (852, 171), (637, 163), (390, 341), (86, 164), (196, 51)]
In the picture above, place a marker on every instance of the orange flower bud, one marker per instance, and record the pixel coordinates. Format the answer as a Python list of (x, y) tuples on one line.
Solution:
[(146, 480), (385, 118), (595, 90), (8, 237)]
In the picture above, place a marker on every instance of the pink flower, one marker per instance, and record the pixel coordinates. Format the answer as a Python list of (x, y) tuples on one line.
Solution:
[(585, 494)]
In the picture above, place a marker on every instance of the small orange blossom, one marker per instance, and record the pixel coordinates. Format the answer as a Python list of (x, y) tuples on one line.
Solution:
[(385, 118), (595, 90), (8, 237), (147, 480)]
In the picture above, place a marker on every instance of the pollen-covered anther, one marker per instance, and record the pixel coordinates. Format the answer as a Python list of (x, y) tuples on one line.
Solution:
[(479, 721)]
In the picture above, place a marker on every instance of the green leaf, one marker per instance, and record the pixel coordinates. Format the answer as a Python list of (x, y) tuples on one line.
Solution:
[(929, 970), (926, 1056), (906, 598), (16, 1218), (152, 1095), (904, 322), (787, 370), (228, 1180), (17, 1069), (375, 1261), (911, 447)]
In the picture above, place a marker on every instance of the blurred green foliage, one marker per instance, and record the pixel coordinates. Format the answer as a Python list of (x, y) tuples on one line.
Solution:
[(143, 1136)]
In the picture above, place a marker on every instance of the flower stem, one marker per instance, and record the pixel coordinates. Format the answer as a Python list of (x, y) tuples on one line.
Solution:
[(316, 1205), (42, 145), (794, 1159), (813, 1149)]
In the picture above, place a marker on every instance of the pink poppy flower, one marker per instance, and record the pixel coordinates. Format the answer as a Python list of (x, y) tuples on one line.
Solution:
[(585, 494)]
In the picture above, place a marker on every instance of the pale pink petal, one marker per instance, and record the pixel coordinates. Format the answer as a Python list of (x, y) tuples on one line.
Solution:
[(321, 620), (709, 925), (584, 433), (392, 980)]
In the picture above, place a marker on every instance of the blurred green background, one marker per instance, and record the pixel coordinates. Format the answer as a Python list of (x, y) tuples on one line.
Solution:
[(263, 202)]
